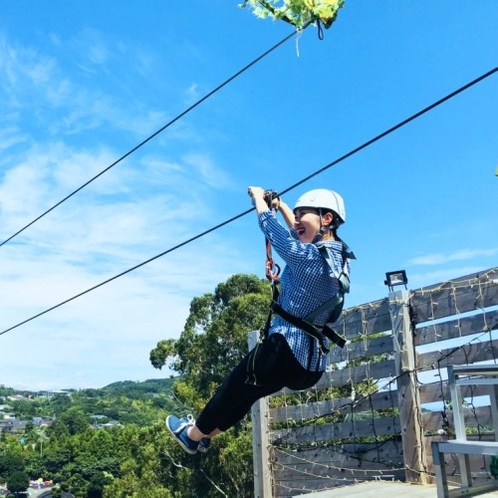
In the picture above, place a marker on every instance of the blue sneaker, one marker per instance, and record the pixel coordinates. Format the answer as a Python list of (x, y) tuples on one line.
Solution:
[(204, 444), (178, 428)]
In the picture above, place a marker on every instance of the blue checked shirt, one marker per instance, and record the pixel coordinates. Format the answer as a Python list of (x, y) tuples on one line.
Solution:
[(306, 283)]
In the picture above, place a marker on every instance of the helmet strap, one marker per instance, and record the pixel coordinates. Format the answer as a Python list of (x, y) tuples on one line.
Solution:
[(319, 235), (324, 229)]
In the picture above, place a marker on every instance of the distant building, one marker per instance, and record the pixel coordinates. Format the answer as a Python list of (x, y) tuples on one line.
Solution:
[(17, 397), (12, 426), (42, 421)]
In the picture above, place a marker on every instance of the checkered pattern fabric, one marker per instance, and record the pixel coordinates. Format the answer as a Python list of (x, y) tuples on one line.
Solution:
[(306, 283)]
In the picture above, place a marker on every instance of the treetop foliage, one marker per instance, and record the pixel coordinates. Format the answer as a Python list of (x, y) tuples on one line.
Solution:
[(215, 335), (299, 13)]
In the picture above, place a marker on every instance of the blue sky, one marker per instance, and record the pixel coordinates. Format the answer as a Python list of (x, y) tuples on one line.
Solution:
[(85, 82)]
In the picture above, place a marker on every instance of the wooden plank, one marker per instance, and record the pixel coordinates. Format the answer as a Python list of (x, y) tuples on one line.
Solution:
[(364, 348), (481, 415), (317, 477), (472, 292), (468, 354), (320, 468), (355, 375), (407, 387), (475, 467), (261, 443), (330, 432), (361, 455), (439, 391), (377, 401), (370, 318), (459, 327), (349, 376)]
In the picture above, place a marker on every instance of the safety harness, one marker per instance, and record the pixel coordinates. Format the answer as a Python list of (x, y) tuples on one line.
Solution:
[(334, 305)]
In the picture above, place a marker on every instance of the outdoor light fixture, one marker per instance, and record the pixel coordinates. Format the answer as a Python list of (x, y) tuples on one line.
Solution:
[(394, 278)]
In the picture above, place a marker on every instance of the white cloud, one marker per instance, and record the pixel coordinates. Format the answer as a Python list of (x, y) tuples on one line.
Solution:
[(60, 127), (461, 255), (127, 217), (431, 278), (193, 93), (205, 171), (37, 85), (9, 137)]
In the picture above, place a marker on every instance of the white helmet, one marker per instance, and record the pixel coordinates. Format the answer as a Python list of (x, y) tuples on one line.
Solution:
[(322, 198)]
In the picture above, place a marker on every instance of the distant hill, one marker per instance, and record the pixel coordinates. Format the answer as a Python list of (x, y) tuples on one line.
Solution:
[(125, 387), (126, 402), (139, 389)]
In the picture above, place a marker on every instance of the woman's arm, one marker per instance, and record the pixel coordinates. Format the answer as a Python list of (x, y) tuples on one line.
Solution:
[(258, 197), (287, 213)]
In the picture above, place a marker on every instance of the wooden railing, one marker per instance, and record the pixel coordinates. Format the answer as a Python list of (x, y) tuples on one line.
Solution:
[(384, 397)]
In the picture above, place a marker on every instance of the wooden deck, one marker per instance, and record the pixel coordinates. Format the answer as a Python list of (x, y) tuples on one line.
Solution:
[(376, 489)]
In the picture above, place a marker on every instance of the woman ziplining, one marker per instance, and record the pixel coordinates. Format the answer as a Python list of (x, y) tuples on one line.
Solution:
[(293, 346)]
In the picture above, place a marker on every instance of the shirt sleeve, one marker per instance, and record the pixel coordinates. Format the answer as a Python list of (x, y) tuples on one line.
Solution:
[(285, 241)]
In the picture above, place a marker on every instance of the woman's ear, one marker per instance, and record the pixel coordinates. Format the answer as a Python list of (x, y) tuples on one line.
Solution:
[(328, 219)]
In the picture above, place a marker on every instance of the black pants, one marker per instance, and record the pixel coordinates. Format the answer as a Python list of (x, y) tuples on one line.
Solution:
[(274, 367)]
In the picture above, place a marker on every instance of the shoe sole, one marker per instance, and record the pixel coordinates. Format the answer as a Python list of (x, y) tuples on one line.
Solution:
[(179, 441)]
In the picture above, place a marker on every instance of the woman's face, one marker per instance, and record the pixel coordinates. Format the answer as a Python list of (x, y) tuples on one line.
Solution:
[(306, 223)]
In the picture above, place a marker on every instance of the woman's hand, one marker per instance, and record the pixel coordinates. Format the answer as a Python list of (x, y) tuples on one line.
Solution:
[(258, 199)]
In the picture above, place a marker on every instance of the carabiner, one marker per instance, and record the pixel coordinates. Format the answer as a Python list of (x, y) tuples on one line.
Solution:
[(272, 270)]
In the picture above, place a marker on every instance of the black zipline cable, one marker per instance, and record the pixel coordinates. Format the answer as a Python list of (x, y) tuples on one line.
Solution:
[(394, 128), (141, 144), (129, 270), (321, 170)]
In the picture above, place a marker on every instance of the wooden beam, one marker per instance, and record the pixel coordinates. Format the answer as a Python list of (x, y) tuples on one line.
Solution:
[(261, 442), (473, 292), (458, 327), (408, 400), (377, 401), (469, 353), (344, 430), (370, 318)]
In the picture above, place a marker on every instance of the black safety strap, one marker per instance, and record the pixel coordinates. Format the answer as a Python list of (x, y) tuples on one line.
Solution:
[(312, 330), (334, 305)]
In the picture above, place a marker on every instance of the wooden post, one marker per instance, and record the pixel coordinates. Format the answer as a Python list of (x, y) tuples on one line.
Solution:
[(408, 395), (260, 441)]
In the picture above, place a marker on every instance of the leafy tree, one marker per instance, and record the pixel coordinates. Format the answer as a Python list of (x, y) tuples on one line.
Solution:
[(18, 481), (25, 409), (214, 338), (297, 12), (60, 403), (101, 444), (35, 466), (97, 483), (74, 419), (212, 342), (10, 463), (56, 492)]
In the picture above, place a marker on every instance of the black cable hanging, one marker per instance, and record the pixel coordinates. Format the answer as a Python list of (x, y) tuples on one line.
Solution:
[(321, 170), (160, 130)]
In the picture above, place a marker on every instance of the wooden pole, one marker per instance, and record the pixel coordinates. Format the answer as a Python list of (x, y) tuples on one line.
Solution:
[(408, 395), (260, 444)]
